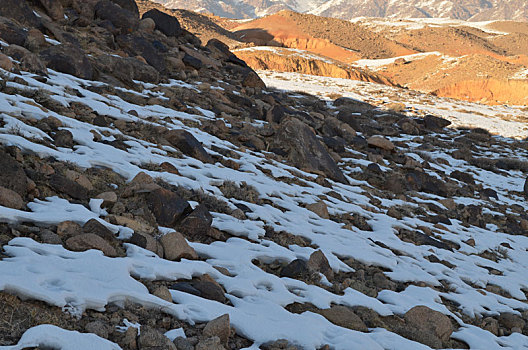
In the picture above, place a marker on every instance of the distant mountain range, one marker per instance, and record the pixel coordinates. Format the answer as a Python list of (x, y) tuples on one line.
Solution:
[(472, 10)]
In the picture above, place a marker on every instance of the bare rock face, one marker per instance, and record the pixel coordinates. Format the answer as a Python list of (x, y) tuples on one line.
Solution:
[(305, 151)]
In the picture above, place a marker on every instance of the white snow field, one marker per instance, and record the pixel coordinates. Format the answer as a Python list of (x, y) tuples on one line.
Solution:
[(76, 281)]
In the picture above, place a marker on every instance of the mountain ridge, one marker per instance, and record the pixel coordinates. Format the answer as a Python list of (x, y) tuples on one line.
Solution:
[(471, 10)]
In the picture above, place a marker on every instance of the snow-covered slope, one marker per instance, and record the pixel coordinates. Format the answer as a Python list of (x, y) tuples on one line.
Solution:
[(347, 9), (452, 271)]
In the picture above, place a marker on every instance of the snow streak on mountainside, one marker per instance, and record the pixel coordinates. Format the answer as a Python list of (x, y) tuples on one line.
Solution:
[(347, 9)]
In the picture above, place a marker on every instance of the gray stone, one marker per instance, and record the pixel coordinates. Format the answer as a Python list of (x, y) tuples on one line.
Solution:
[(88, 241), (10, 199), (219, 327), (175, 247), (344, 317)]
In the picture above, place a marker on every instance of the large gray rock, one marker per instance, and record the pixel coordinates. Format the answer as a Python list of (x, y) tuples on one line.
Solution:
[(29, 61), (344, 317), (12, 175), (124, 20), (135, 45), (219, 327), (175, 247), (69, 59), (188, 144), (10, 199), (304, 149), (165, 23), (87, 241), (198, 223), (11, 32), (151, 339), (431, 327), (167, 207), (129, 5)]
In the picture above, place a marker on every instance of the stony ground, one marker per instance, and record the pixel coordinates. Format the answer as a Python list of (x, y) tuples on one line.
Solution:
[(154, 194)]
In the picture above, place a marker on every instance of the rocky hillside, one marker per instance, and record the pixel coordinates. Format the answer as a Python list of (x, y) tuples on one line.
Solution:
[(156, 194), (347, 9)]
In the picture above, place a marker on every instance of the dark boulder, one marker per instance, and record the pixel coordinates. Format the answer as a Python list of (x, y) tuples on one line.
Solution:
[(12, 33), (122, 19), (28, 60), (68, 59), (126, 69), (20, 12), (167, 207), (64, 185), (165, 23), (129, 5), (197, 223), (435, 123), (304, 149), (12, 175), (188, 144), (135, 45), (192, 61), (252, 80), (297, 269)]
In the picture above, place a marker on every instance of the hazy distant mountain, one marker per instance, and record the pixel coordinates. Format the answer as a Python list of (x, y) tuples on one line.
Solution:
[(476, 10)]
